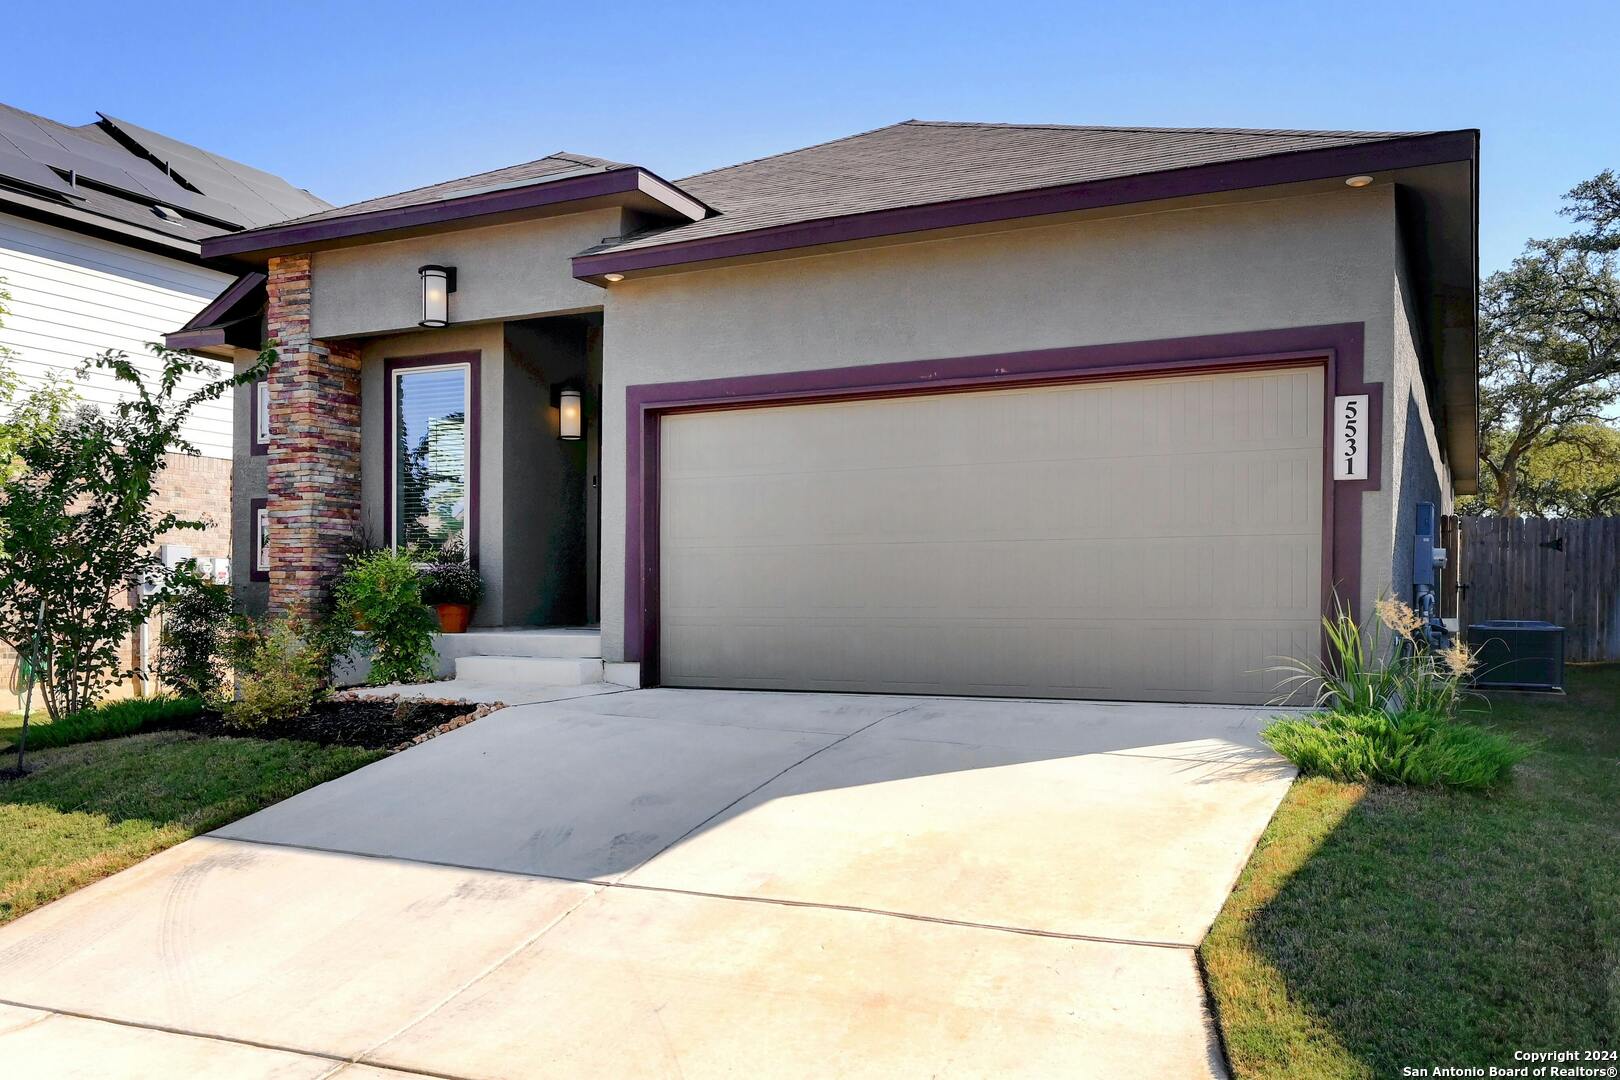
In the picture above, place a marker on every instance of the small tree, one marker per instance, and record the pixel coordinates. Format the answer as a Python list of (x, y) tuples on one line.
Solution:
[(23, 417), (81, 529)]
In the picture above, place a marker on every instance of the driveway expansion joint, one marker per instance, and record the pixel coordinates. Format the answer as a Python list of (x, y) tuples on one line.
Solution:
[(604, 884), (341, 1061), (473, 981), (768, 781)]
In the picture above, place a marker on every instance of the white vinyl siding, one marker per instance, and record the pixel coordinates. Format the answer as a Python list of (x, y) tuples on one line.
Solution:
[(75, 296)]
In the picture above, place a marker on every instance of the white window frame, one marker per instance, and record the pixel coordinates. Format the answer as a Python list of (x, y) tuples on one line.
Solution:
[(261, 412), (261, 540), (467, 453)]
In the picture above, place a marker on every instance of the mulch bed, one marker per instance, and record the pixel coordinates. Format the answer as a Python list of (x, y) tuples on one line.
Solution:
[(392, 723)]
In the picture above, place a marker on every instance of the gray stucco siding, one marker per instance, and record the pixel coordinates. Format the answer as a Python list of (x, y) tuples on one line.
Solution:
[(250, 480), (503, 272), (1298, 261), (488, 340), (1422, 474)]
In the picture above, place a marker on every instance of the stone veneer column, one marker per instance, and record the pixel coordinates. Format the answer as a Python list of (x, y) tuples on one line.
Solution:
[(314, 462)]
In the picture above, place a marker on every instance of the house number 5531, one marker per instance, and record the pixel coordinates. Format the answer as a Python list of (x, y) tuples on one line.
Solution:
[(1350, 437)]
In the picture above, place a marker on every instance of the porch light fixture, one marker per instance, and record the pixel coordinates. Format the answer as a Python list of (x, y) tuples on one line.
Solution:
[(571, 411), (612, 277), (438, 282), (1359, 181)]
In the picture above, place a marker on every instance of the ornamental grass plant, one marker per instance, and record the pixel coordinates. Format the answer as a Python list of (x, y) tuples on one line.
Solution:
[(1386, 704)]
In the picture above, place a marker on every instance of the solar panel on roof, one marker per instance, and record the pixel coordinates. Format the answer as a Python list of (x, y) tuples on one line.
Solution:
[(125, 174), (257, 197), (93, 161), (25, 170)]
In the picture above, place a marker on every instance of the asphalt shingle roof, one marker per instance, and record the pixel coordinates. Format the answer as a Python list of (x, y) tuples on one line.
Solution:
[(918, 162), (558, 166)]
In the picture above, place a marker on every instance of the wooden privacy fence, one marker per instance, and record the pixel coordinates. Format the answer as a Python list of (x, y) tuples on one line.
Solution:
[(1563, 570)]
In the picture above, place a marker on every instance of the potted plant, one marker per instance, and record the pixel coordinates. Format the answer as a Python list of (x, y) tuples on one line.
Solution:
[(453, 590)]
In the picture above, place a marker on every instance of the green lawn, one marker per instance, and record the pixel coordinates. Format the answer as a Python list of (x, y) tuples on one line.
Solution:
[(90, 810), (11, 726), (1379, 927)]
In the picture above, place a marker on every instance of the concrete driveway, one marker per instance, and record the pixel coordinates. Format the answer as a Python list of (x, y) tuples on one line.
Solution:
[(682, 883)]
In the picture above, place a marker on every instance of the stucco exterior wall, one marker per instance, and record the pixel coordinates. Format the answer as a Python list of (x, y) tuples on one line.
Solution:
[(1298, 261), (1421, 475), (250, 480), (489, 341), (503, 272)]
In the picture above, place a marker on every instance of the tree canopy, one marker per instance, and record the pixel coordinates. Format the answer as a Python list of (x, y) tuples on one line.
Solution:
[(1550, 357)]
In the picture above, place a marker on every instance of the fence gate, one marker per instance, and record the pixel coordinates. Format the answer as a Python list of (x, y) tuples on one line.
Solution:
[(1563, 570)]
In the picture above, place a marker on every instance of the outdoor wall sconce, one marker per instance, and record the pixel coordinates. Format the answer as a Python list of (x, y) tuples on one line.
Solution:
[(438, 282), (571, 412)]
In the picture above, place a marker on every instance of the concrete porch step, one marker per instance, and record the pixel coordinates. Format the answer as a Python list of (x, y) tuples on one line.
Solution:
[(521, 641), (530, 670)]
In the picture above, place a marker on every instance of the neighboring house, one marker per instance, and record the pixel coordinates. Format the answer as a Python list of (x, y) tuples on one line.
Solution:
[(100, 227), (937, 408)]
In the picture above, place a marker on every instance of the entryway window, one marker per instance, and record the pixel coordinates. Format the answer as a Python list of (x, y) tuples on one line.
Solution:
[(432, 457)]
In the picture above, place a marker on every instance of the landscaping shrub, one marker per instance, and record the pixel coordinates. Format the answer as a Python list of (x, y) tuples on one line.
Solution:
[(454, 582), (382, 592), (196, 627), (1391, 701), (1412, 747), (278, 675), (114, 718), (1388, 666)]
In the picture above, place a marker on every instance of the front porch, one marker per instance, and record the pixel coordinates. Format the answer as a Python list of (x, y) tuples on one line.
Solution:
[(480, 440), (464, 450), (498, 663)]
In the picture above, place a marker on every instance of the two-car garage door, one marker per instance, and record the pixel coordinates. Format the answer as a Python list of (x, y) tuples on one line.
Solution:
[(1153, 539)]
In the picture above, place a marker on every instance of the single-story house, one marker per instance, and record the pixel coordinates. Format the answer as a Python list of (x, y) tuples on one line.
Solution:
[(101, 227), (958, 408)]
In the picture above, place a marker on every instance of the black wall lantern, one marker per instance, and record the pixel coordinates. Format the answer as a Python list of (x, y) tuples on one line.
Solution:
[(438, 282)]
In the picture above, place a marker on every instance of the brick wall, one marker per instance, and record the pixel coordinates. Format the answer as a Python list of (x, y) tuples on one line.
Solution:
[(314, 461), (198, 488)]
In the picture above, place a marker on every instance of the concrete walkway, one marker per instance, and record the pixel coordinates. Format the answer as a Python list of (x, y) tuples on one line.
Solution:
[(682, 883)]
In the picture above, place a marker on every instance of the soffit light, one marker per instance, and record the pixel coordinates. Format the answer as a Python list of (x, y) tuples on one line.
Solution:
[(438, 282), (1359, 181), (613, 277)]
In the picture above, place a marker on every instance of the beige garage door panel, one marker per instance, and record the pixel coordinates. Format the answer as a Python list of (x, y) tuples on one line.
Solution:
[(1155, 539)]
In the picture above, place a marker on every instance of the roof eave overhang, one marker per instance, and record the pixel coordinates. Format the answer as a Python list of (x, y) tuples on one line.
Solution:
[(232, 320), (632, 187), (64, 216), (1438, 214), (1296, 167), (1446, 237)]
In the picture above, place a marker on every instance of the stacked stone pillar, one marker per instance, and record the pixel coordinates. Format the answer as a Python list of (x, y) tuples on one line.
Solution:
[(314, 461)]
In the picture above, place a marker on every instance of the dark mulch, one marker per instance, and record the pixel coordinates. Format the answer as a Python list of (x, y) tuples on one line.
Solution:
[(374, 723)]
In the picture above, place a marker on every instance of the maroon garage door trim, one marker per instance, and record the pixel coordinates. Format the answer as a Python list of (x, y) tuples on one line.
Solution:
[(1339, 348)]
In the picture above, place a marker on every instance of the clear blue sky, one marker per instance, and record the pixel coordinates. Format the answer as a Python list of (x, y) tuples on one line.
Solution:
[(352, 100)]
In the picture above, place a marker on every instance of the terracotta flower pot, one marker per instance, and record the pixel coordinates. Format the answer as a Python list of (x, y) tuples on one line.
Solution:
[(453, 618)]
